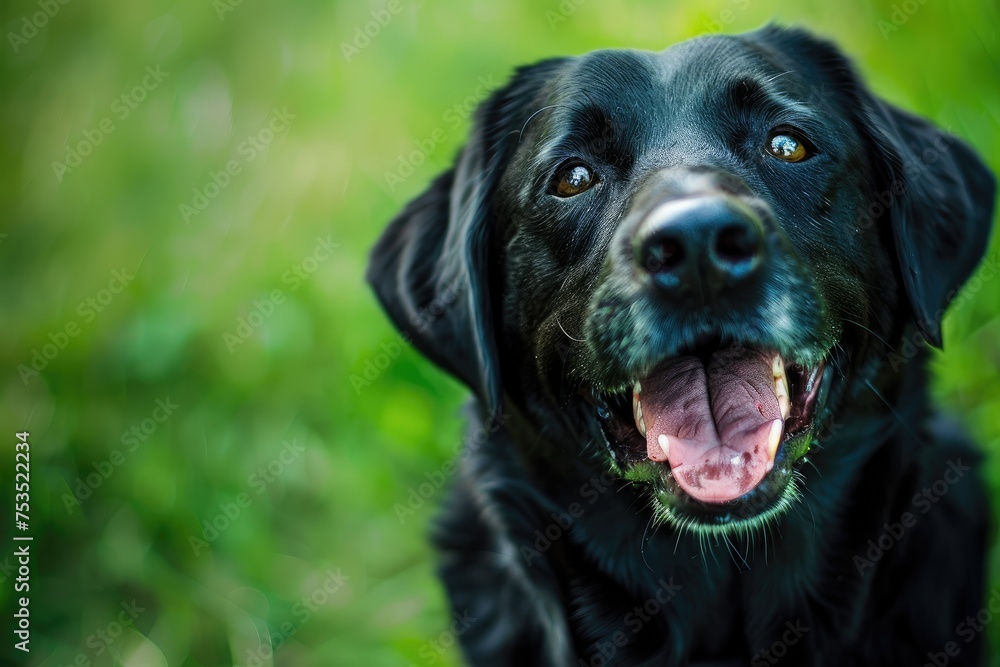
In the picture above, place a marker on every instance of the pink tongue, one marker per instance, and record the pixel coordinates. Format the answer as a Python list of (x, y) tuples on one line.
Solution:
[(717, 422)]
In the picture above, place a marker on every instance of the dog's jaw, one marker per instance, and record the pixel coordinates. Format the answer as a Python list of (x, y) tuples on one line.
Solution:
[(741, 480)]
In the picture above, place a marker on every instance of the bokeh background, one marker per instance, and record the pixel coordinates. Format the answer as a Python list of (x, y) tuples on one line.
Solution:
[(223, 423)]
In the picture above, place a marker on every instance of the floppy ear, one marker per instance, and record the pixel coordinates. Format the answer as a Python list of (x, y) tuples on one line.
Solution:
[(937, 193), (431, 267), (941, 212)]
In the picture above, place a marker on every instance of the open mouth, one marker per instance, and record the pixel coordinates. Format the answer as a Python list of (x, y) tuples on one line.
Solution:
[(718, 430)]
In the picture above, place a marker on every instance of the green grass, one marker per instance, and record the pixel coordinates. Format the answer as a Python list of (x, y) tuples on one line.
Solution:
[(257, 252)]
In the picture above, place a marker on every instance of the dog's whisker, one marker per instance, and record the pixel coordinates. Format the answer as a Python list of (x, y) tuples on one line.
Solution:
[(642, 544), (677, 541), (765, 529), (798, 511), (811, 513), (734, 552), (882, 340), (836, 363), (576, 340), (892, 410), (638, 498), (809, 462)]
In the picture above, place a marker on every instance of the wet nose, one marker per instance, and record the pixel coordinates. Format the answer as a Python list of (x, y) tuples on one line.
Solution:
[(700, 246)]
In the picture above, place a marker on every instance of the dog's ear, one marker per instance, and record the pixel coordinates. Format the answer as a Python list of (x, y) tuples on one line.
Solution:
[(935, 192), (431, 267), (941, 209)]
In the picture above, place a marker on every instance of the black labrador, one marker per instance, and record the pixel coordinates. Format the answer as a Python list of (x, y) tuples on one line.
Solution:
[(693, 292)]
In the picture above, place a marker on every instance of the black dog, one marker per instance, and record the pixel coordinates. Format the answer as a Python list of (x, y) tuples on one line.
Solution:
[(693, 293)]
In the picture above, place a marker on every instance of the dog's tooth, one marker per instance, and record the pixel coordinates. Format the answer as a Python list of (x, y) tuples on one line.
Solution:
[(640, 423), (636, 388), (781, 391), (637, 414), (781, 386), (664, 442), (774, 438)]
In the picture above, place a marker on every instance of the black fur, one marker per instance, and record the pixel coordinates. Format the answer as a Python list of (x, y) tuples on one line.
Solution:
[(530, 300)]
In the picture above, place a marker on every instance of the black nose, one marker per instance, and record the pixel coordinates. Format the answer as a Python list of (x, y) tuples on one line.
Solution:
[(700, 247)]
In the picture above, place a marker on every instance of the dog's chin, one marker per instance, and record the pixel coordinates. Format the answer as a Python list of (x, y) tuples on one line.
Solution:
[(716, 435)]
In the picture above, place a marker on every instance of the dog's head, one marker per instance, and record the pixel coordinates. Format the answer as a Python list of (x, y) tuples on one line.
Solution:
[(676, 261)]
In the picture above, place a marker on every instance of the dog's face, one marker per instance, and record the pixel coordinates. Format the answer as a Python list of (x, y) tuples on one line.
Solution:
[(675, 263), (692, 216)]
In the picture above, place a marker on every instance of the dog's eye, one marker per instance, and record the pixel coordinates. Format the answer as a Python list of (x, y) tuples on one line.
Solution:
[(571, 179), (787, 147)]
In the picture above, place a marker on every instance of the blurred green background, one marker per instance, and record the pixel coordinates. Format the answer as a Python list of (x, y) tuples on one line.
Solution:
[(210, 473)]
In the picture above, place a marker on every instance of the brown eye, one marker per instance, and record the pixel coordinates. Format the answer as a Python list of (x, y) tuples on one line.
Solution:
[(786, 147), (572, 179)]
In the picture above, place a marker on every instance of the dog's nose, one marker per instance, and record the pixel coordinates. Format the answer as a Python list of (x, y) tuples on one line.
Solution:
[(699, 246)]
